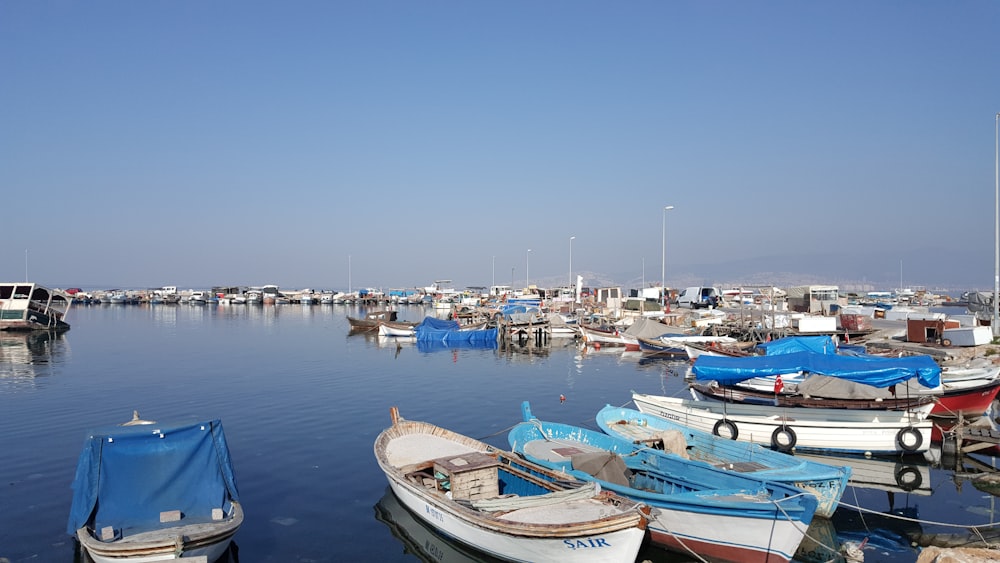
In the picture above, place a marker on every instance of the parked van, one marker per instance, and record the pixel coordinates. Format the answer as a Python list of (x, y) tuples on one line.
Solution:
[(698, 297)]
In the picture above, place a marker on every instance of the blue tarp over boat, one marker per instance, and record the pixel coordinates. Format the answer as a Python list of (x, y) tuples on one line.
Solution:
[(431, 323), (870, 370), (129, 474), (819, 344), (447, 331)]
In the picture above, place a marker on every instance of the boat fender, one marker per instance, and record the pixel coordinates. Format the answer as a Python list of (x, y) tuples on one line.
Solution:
[(908, 478), (731, 429), (783, 439), (909, 439)]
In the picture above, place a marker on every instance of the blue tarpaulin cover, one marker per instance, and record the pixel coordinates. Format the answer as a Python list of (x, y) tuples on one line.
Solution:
[(432, 329), (431, 323), (870, 370), (127, 475), (819, 344)]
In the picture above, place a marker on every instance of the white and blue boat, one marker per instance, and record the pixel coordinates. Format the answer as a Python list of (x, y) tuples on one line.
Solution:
[(826, 482), (501, 505), (696, 508), (148, 492)]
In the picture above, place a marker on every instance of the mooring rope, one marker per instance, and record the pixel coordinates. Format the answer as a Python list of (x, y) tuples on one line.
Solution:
[(797, 523), (918, 520)]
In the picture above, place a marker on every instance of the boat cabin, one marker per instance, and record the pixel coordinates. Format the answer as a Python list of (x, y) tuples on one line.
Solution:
[(29, 306)]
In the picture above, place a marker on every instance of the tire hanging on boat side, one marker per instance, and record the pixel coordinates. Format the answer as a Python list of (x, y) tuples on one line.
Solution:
[(734, 432), (909, 439), (783, 439)]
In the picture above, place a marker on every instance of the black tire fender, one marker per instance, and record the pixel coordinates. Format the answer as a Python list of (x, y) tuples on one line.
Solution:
[(734, 432), (908, 478), (909, 439), (783, 438)]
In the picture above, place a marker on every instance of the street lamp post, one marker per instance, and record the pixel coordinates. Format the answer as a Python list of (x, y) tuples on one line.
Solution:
[(527, 268), (996, 230), (571, 263), (663, 257)]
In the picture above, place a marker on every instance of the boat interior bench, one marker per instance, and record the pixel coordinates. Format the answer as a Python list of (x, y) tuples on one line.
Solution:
[(171, 523)]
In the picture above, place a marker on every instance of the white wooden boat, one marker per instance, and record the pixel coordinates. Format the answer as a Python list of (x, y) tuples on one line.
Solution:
[(148, 492), (496, 502), (593, 336), (396, 329), (849, 431)]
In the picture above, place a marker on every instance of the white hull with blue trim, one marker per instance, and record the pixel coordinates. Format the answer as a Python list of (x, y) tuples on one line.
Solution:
[(846, 431)]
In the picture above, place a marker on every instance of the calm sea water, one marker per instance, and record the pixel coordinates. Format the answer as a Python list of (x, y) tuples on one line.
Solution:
[(302, 401)]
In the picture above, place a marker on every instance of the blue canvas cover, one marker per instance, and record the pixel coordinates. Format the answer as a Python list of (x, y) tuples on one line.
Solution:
[(819, 344), (432, 324), (127, 475), (870, 370)]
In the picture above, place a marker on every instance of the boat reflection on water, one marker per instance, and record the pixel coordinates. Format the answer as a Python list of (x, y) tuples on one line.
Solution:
[(909, 474), (418, 538), (26, 355), (887, 532)]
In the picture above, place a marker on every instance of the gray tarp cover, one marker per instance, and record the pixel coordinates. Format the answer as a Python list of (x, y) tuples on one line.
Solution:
[(650, 329), (605, 466), (835, 388)]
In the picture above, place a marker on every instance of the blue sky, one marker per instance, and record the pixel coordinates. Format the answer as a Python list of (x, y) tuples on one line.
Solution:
[(389, 144)]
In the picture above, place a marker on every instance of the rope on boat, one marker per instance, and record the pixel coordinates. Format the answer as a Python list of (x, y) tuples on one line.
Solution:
[(498, 432), (798, 525)]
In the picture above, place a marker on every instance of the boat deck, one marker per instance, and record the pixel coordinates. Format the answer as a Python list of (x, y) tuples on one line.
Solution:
[(557, 450), (412, 449)]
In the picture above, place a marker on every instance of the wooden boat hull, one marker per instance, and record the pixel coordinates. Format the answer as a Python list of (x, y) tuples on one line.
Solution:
[(395, 329), (845, 431), (199, 540), (371, 320), (655, 347), (825, 482), (968, 402), (733, 540), (602, 528), (608, 338)]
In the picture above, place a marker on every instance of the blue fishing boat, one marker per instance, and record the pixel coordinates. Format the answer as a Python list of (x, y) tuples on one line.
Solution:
[(826, 482), (696, 508), (155, 492)]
